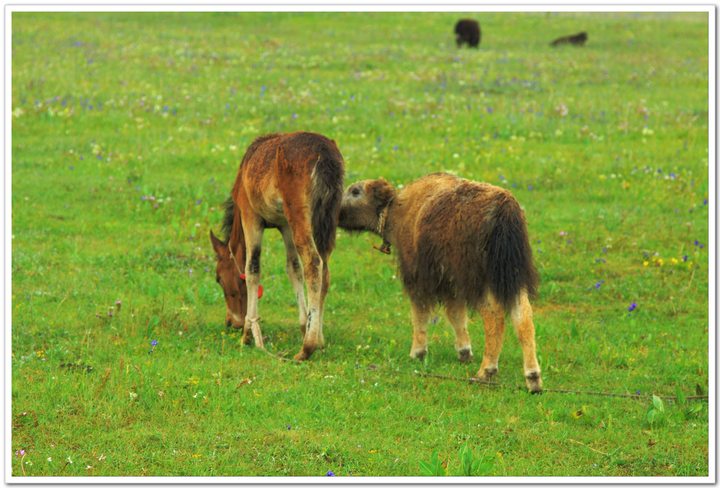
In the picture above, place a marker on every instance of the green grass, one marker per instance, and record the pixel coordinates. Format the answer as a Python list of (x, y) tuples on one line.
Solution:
[(111, 109)]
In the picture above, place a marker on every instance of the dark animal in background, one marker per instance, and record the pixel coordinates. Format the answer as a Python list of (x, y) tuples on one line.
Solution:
[(467, 31), (294, 183), (460, 244), (578, 39)]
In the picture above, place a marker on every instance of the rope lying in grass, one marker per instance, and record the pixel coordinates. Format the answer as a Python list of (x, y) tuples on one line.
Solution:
[(494, 384), (278, 356)]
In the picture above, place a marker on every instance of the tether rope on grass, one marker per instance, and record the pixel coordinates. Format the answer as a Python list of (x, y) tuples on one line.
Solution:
[(495, 384), (278, 356)]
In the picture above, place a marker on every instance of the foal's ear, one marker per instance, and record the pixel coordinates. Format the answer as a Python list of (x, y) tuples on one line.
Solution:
[(219, 247), (380, 190)]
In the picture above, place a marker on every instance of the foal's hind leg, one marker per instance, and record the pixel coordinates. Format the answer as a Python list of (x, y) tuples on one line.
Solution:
[(295, 273), (313, 271), (323, 294), (456, 312), (253, 230), (521, 314), (494, 321)]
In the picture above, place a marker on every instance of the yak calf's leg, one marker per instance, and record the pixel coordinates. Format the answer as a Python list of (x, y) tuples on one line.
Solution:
[(521, 315), (295, 273), (457, 315), (494, 321), (420, 319)]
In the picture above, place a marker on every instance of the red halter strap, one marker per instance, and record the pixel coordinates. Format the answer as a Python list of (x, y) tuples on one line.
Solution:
[(242, 275)]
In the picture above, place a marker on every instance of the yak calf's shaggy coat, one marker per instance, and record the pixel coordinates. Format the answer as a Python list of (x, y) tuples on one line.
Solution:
[(461, 244)]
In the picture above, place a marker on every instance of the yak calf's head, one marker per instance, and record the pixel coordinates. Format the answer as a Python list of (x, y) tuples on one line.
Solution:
[(362, 204), (234, 288)]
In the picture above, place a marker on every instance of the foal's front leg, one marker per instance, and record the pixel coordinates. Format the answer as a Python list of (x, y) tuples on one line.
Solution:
[(253, 230), (294, 270)]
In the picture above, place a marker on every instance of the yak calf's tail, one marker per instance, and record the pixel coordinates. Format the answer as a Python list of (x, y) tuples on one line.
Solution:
[(326, 197), (509, 258)]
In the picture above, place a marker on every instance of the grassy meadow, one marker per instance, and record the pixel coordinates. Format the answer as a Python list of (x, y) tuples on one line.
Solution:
[(127, 132)]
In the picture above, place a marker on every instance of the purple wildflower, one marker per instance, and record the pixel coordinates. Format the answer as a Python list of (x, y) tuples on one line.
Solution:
[(198, 201), (599, 284), (685, 258), (632, 307), (489, 110), (154, 342), (294, 116), (637, 392), (330, 473), (705, 201)]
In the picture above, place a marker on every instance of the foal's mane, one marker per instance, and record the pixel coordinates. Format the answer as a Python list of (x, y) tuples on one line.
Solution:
[(228, 219)]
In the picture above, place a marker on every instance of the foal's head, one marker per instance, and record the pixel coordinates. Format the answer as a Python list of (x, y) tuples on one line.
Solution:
[(362, 204), (227, 274)]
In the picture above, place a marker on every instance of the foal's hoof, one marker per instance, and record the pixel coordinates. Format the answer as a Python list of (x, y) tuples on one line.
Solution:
[(304, 354), (534, 382), (465, 355)]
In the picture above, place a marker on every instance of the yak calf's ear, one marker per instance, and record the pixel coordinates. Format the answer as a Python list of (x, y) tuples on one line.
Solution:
[(382, 191), (219, 247)]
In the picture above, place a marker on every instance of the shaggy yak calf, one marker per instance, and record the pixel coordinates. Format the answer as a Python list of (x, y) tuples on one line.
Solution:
[(461, 244)]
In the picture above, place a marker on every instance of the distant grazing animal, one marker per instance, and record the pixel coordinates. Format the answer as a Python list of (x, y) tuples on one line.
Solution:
[(578, 39), (294, 183), (461, 244), (467, 31)]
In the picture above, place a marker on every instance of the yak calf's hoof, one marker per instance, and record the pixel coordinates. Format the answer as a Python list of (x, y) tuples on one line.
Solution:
[(534, 382), (465, 355), (418, 354), (487, 374)]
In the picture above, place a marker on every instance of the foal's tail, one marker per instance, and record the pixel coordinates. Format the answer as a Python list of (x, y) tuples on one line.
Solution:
[(326, 196), (509, 257)]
